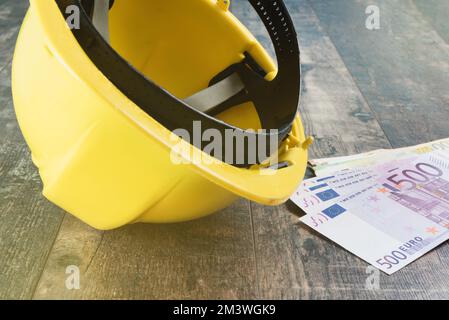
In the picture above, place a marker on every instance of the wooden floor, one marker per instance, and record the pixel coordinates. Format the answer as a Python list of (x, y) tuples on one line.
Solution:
[(362, 90)]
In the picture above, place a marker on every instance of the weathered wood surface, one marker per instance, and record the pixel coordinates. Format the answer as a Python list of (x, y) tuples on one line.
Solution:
[(362, 90), (210, 258), (402, 71), (435, 13), (335, 108)]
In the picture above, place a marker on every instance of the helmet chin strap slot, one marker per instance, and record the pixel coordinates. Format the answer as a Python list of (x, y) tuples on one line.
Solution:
[(227, 89)]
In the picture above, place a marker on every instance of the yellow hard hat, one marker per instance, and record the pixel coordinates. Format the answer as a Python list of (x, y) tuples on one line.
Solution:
[(119, 101)]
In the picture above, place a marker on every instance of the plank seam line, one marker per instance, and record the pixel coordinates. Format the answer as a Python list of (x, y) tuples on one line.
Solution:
[(254, 248), (325, 30), (95, 253)]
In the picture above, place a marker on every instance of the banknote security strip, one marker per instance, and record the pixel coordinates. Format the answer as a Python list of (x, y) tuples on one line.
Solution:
[(389, 207)]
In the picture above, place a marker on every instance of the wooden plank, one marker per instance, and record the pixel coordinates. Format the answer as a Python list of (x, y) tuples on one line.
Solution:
[(402, 69), (11, 15), (435, 13), (204, 259), (351, 294), (292, 260), (6, 106), (28, 229), (210, 258), (343, 115), (214, 257), (29, 224)]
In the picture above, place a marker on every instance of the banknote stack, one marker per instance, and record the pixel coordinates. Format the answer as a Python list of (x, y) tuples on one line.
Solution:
[(389, 207)]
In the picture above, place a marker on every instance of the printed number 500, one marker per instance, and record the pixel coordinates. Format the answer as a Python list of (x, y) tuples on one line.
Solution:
[(393, 259)]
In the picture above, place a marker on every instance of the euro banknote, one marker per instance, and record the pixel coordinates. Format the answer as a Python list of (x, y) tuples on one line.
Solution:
[(326, 166), (389, 212)]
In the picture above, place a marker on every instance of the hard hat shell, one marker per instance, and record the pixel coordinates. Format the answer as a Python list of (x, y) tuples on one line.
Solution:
[(99, 155)]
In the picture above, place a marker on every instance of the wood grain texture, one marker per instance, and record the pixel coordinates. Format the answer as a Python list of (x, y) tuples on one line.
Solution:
[(401, 69), (293, 261), (403, 72), (11, 15), (435, 13), (28, 223), (361, 91), (300, 263), (211, 258)]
